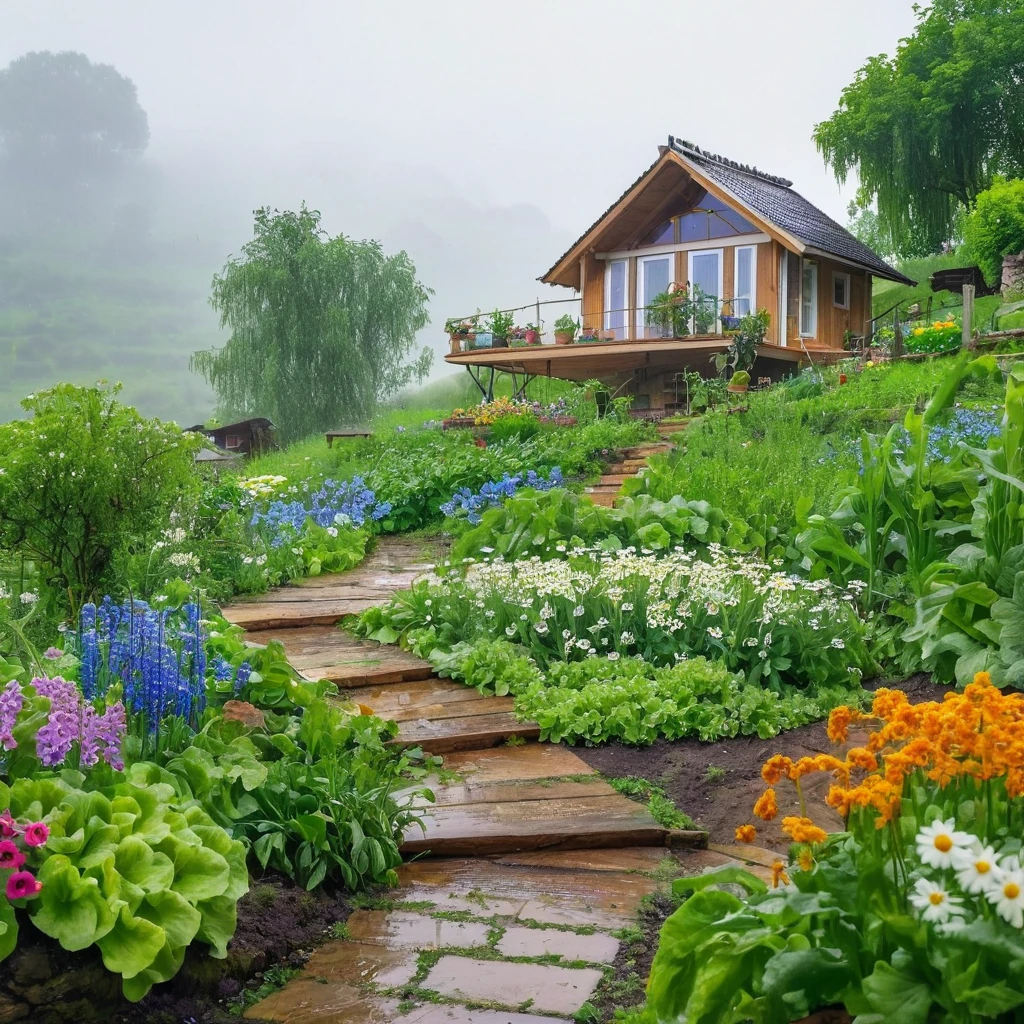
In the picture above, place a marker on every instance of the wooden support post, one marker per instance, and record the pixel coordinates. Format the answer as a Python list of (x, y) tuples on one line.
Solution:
[(968, 315)]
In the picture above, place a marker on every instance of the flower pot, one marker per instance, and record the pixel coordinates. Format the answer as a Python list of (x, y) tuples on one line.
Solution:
[(842, 378), (533, 337), (457, 342), (499, 341), (565, 421), (737, 389), (608, 335), (469, 342), (563, 337)]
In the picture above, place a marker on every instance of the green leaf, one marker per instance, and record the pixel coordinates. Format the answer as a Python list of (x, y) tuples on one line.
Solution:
[(174, 914), (199, 873), (8, 929), (131, 945), (897, 997), (70, 908), (137, 862)]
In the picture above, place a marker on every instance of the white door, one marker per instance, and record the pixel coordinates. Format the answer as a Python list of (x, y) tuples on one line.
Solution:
[(653, 276), (706, 274)]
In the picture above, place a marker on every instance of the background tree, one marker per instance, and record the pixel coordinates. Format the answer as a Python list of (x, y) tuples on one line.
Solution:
[(320, 327), (995, 227), (65, 120), (927, 129)]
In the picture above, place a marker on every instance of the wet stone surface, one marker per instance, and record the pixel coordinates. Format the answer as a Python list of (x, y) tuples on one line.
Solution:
[(549, 989), (402, 930), (595, 949)]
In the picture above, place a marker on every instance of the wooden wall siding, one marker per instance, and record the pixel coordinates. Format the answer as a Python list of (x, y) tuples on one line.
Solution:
[(767, 294), (834, 322), (593, 291), (729, 273)]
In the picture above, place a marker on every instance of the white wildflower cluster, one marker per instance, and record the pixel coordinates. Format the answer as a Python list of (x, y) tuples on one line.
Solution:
[(980, 872), (263, 486)]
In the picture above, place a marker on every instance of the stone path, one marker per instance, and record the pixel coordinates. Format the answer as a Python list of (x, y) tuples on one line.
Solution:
[(534, 864)]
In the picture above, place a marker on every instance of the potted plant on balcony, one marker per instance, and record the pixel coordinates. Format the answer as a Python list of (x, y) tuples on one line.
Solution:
[(501, 326), (740, 355), (517, 337), (532, 335), (589, 334), (738, 383), (461, 333), (565, 329)]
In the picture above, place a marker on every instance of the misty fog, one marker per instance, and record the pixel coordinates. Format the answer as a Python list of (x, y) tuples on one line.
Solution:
[(481, 138)]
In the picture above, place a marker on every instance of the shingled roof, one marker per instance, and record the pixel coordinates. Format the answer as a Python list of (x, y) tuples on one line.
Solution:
[(775, 200)]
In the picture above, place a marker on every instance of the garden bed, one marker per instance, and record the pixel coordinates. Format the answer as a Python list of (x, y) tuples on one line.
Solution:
[(721, 801), (279, 923)]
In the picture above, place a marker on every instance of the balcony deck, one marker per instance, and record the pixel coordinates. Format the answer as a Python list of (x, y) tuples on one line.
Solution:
[(598, 359)]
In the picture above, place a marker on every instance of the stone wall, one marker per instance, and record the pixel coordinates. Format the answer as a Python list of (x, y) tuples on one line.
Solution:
[(1013, 275)]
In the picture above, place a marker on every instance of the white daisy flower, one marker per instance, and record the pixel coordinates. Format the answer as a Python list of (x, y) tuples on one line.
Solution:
[(715, 632), (510, 631), (1007, 895), (976, 868), (934, 902), (937, 842)]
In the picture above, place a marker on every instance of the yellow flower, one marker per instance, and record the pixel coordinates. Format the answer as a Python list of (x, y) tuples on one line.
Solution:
[(918, 330), (746, 834), (766, 807), (779, 874)]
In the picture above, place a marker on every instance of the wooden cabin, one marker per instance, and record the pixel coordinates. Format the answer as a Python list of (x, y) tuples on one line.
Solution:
[(744, 238), (247, 437)]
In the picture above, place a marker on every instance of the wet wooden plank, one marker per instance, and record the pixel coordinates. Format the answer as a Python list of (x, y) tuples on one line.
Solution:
[(572, 823), (326, 652), (613, 895), (470, 732), (460, 794), (621, 860), (421, 693), (443, 712), (510, 764)]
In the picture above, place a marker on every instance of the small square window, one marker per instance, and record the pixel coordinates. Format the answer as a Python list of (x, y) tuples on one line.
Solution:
[(841, 290), (232, 441)]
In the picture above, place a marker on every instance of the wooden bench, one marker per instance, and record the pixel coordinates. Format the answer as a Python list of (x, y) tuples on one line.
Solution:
[(351, 432)]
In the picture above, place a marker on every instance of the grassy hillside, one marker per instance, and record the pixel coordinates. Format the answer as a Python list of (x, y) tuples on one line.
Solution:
[(887, 293)]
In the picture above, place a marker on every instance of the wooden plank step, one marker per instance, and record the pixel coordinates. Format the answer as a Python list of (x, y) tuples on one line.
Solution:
[(530, 761), (326, 652), (572, 823), (604, 500), (470, 732), (462, 794), (439, 712), (419, 695), (616, 479)]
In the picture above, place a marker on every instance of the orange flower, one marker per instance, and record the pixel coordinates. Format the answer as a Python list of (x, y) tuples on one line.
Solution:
[(779, 874), (839, 724), (859, 757), (766, 807), (776, 768), (982, 679), (886, 702), (746, 834), (803, 830), (806, 859)]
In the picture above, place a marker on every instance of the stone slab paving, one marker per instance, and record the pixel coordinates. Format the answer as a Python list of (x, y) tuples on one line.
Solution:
[(597, 948), (551, 989)]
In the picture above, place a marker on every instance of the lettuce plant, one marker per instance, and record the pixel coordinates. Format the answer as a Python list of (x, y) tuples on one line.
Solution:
[(132, 871)]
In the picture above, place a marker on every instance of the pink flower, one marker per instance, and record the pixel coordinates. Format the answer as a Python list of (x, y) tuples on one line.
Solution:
[(22, 885), (10, 856), (36, 834), (8, 826)]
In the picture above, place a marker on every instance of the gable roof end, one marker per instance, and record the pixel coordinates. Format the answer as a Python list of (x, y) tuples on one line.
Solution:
[(773, 197)]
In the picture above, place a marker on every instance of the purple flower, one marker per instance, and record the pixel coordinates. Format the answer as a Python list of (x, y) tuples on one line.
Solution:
[(11, 701), (55, 739), (53, 653), (111, 729)]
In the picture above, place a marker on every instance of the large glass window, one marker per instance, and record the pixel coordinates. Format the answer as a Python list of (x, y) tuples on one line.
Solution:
[(746, 263), (660, 235), (616, 297), (711, 218), (654, 274), (706, 274), (809, 300)]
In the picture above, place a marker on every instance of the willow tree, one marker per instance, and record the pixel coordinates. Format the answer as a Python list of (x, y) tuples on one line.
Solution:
[(928, 128), (321, 328)]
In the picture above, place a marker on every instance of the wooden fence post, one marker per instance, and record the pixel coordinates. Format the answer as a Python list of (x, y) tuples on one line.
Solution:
[(968, 315)]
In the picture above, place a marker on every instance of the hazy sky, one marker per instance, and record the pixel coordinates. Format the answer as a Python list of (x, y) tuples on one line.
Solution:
[(458, 129)]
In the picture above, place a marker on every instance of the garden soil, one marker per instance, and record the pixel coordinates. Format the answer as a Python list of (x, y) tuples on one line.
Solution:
[(718, 783)]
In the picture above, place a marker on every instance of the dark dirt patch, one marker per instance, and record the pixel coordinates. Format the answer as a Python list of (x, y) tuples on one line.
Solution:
[(626, 987), (722, 800)]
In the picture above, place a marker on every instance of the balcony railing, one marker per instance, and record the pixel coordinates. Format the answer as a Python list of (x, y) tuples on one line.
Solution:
[(699, 318)]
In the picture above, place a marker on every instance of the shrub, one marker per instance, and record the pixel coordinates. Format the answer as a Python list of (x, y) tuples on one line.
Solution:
[(82, 480), (995, 227)]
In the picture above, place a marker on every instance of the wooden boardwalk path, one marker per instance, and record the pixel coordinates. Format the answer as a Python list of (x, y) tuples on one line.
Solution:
[(536, 853)]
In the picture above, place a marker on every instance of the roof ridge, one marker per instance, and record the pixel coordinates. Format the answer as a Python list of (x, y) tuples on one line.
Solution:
[(691, 149)]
